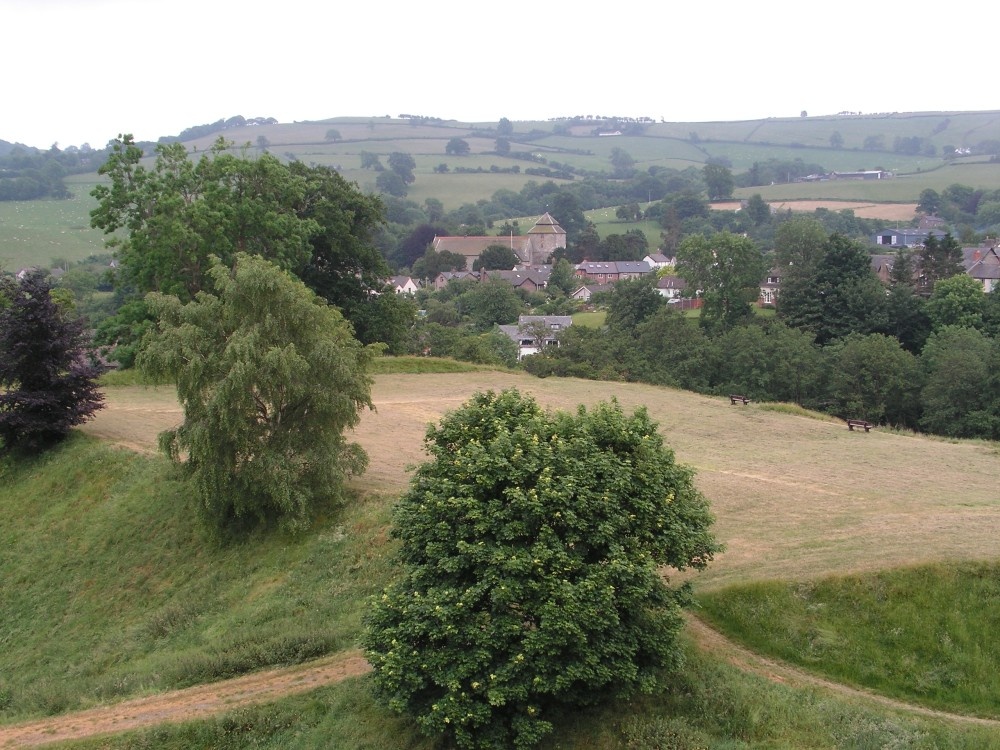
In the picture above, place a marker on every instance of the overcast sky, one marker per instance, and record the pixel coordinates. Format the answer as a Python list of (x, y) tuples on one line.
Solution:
[(83, 71)]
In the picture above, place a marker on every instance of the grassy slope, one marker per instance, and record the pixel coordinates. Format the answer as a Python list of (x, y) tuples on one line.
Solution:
[(110, 589), (924, 634)]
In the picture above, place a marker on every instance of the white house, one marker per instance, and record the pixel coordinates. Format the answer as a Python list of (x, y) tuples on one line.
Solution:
[(534, 332), (403, 285)]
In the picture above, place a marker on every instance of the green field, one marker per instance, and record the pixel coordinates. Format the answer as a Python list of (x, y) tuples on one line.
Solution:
[(112, 590), (35, 232)]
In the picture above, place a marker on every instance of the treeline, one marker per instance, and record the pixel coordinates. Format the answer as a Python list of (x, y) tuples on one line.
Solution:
[(922, 352), (972, 210), (950, 388), (200, 131), (29, 174)]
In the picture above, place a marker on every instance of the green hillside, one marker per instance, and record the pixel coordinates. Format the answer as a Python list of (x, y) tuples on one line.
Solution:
[(112, 590), (35, 232)]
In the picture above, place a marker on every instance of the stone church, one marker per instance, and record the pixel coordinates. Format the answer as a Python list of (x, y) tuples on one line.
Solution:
[(533, 248)]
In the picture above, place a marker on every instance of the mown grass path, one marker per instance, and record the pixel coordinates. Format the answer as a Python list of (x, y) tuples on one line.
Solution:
[(204, 701), (189, 704)]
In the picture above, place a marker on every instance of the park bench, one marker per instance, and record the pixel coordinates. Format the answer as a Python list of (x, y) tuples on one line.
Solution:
[(733, 398), (852, 423)]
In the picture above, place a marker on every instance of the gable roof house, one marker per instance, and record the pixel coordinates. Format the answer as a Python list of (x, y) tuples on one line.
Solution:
[(670, 287), (529, 279), (442, 279), (882, 266), (982, 264), (610, 271), (403, 285), (532, 249), (534, 332), (660, 260), (587, 291)]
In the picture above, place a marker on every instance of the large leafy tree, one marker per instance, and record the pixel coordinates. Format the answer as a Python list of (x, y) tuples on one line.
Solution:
[(530, 550), (269, 377), (491, 302), (956, 301), (496, 257), (873, 377), (631, 302), (726, 269), (841, 295), (167, 221), (959, 396), (47, 385)]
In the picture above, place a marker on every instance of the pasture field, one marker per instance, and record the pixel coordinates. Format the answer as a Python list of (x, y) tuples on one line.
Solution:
[(112, 590), (35, 232)]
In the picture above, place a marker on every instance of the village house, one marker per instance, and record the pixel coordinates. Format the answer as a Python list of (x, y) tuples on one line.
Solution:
[(523, 277), (586, 291), (671, 287), (534, 332), (769, 287), (403, 285), (610, 271), (656, 261), (532, 249), (982, 264)]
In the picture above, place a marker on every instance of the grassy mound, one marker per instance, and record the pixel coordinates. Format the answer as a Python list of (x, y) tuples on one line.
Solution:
[(925, 634), (111, 589)]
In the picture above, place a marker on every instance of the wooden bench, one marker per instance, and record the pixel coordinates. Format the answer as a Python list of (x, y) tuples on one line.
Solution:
[(852, 423), (733, 398)]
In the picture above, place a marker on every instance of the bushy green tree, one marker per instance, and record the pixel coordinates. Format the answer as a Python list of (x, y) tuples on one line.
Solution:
[(496, 257), (457, 147), (491, 302), (47, 386), (769, 362), (956, 301), (269, 377), (874, 378), (631, 302), (165, 222), (940, 258), (727, 270), (962, 371), (840, 296), (530, 550)]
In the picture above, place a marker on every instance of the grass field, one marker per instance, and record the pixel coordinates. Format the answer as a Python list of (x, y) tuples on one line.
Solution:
[(112, 590), (795, 496), (35, 232)]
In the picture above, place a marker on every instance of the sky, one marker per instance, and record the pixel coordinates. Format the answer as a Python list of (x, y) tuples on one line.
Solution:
[(85, 71)]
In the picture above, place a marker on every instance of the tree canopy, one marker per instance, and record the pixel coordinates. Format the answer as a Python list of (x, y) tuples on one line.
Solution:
[(727, 270), (269, 377), (530, 550), (166, 222), (47, 385)]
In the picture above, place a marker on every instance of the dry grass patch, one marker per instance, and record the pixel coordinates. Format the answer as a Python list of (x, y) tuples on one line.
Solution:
[(794, 496), (863, 210)]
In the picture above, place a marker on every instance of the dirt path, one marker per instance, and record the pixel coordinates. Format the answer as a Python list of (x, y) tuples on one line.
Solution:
[(204, 701), (711, 640), (178, 706)]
